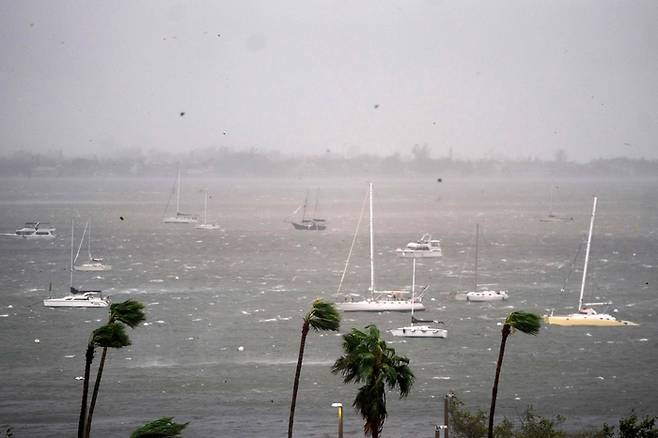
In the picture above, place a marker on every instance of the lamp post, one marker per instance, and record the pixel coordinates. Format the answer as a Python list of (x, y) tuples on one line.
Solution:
[(340, 418), (446, 402)]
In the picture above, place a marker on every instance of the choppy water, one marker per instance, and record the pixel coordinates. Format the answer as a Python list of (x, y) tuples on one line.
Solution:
[(208, 293)]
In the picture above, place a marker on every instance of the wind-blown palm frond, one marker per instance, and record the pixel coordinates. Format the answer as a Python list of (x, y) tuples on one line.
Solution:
[(161, 428), (129, 312), (323, 316), (370, 361), (525, 322), (111, 335)]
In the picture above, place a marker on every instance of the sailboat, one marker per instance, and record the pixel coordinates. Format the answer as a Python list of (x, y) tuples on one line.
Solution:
[(180, 218), (483, 295), (311, 224), (418, 331), (205, 225), (379, 300), (586, 315), (77, 297), (552, 217), (94, 264)]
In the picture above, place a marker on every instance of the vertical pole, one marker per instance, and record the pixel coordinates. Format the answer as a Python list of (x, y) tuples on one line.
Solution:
[(413, 288), (477, 238), (71, 267), (445, 414), (178, 192), (372, 248), (205, 207), (340, 422), (589, 242)]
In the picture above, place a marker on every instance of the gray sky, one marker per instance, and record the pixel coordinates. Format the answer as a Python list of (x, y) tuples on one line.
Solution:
[(485, 78)]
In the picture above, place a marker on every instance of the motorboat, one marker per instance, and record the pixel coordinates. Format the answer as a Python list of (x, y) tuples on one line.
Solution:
[(34, 230), (423, 247), (487, 295)]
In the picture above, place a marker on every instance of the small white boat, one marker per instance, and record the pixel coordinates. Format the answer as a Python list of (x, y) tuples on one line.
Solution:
[(205, 225), (487, 295), (586, 315), (477, 295), (423, 247), (94, 264), (34, 230), (418, 331), (82, 299), (179, 218), (379, 300)]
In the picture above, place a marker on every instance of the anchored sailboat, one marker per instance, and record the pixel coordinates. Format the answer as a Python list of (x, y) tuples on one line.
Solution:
[(180, 218), (418, 331), (94, 264), (483, 295), (379, 300), (309, 224), (586, 315), (205, 225), (77, 297)]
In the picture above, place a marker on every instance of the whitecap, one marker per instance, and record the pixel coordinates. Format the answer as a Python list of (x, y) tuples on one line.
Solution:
[(159, 321), (156, 280), (643, 340), (441, 378), (69, 356), (5, 315)]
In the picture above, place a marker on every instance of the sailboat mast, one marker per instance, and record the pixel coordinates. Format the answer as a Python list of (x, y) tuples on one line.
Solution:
[(178, 193), (72, 243), (589, 242), (413, 288), (372, 247), (89, 241), (205, 206), (315, 208), (304, 210), (477, 238)]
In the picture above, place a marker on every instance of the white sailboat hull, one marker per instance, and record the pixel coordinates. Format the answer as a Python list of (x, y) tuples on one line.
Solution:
[(419, 331), (93, 267), (487, 295), (581, 320), (72, 301), (180, 220), (207, 227), (407, 253), (380, 306)]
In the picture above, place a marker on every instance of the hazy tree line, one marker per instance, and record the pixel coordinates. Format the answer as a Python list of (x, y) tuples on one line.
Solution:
[(224, 161)]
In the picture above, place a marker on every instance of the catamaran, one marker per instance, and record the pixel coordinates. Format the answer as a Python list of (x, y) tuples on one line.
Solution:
[(423, 247), (180, 218), (205, 225), (483, 295), (94, 264), (586, 315), (76, 297), (379, 300), (422, 330)]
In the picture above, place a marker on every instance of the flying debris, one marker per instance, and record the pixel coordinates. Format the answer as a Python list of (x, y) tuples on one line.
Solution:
[(376, 105), (121, 217), (439, 180), (182, 113)]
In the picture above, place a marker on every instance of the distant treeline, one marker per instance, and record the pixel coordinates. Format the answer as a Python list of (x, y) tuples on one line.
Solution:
[(229, 162)]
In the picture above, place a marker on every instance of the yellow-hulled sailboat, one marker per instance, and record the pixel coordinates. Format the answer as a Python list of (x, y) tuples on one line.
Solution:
[(586, 315)]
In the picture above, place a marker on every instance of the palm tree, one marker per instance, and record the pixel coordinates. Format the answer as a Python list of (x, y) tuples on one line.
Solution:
[(161, 428), (323, 316), (130, 313), (367, 359), (524, 322)]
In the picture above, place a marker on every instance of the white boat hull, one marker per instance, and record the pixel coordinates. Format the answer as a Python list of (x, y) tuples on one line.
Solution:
[(591, 320), (93, 267), (487, 295), (418, 254), (180, 220), (207, 227), (419, 331), (61, 302), (380, 306)]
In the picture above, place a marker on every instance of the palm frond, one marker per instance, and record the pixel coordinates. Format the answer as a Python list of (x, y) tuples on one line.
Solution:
[(323, 316), (112, 335), (129, 312), (524, 322), (161, 428)]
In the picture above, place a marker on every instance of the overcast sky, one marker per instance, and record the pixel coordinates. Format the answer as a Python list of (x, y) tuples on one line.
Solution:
[(485, 78)]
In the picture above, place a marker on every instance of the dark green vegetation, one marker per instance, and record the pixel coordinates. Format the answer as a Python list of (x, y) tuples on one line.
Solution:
[(524, 322), (323, 316), (112, 335), (368, 360), (467, 424), (160, 428)]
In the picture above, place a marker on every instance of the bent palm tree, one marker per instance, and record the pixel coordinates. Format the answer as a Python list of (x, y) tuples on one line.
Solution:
[(367, 359), (524, 322), (161, 428), (130, 313), (323, 316)]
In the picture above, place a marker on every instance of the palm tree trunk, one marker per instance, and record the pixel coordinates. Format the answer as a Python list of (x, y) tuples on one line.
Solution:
[(94, 394), (89, 357), (494, 391), (298, 372)]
